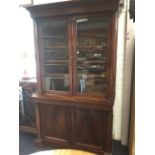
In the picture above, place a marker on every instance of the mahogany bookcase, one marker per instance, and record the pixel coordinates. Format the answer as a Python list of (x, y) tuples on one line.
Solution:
[(75, 43)]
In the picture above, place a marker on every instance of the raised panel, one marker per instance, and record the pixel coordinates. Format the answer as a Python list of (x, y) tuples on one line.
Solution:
[(91, 127), (57, 122)]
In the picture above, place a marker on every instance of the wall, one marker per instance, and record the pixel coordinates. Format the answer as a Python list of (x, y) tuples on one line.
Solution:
[(117, 119), (27, 67), (128, 60), (34, 2), (123, 75), (47, 1)]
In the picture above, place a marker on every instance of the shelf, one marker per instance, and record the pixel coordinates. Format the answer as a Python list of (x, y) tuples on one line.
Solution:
[(93, 75), (90, 67), (60, 37), (56, 61), (92, 35), (99, 78), (54, 31), (89, 47), (56, 74), (56, 64), (57, 78), (93, 31), (94, 58), (53, 50), (92, 61), (55, 47), (93, 66), (95, 90)]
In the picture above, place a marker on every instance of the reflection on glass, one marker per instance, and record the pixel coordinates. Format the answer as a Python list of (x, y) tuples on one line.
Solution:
[(91, 55), (55, 50)]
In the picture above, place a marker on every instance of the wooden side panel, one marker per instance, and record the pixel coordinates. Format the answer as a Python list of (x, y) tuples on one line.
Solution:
[(132, 116), (92, 128)]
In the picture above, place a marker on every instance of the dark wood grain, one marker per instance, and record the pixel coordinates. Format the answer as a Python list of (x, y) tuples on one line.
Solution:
[(132, 114), (57, 120), (73, 7), (38, 123), (89, 127), (113, 55), (71, 58), (72, 127), (37, 42)]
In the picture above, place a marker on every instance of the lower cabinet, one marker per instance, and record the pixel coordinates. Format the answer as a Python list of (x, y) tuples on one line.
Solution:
[(71, 127)]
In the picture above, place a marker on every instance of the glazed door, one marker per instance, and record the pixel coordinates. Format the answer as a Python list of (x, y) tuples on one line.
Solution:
[(92, 54), (54, 42)]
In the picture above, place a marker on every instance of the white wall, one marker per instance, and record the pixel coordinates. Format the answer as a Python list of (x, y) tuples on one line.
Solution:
[(117, 119), (123, 76), (34, 2), (128, 60), (46, 1), (26, 46), (24, 2)]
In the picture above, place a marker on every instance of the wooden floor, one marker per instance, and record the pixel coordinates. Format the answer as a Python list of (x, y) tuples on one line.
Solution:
[(27, 146)]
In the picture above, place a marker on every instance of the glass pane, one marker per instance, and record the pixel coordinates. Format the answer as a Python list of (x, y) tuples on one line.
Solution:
[(92, 55), (55, 51)]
